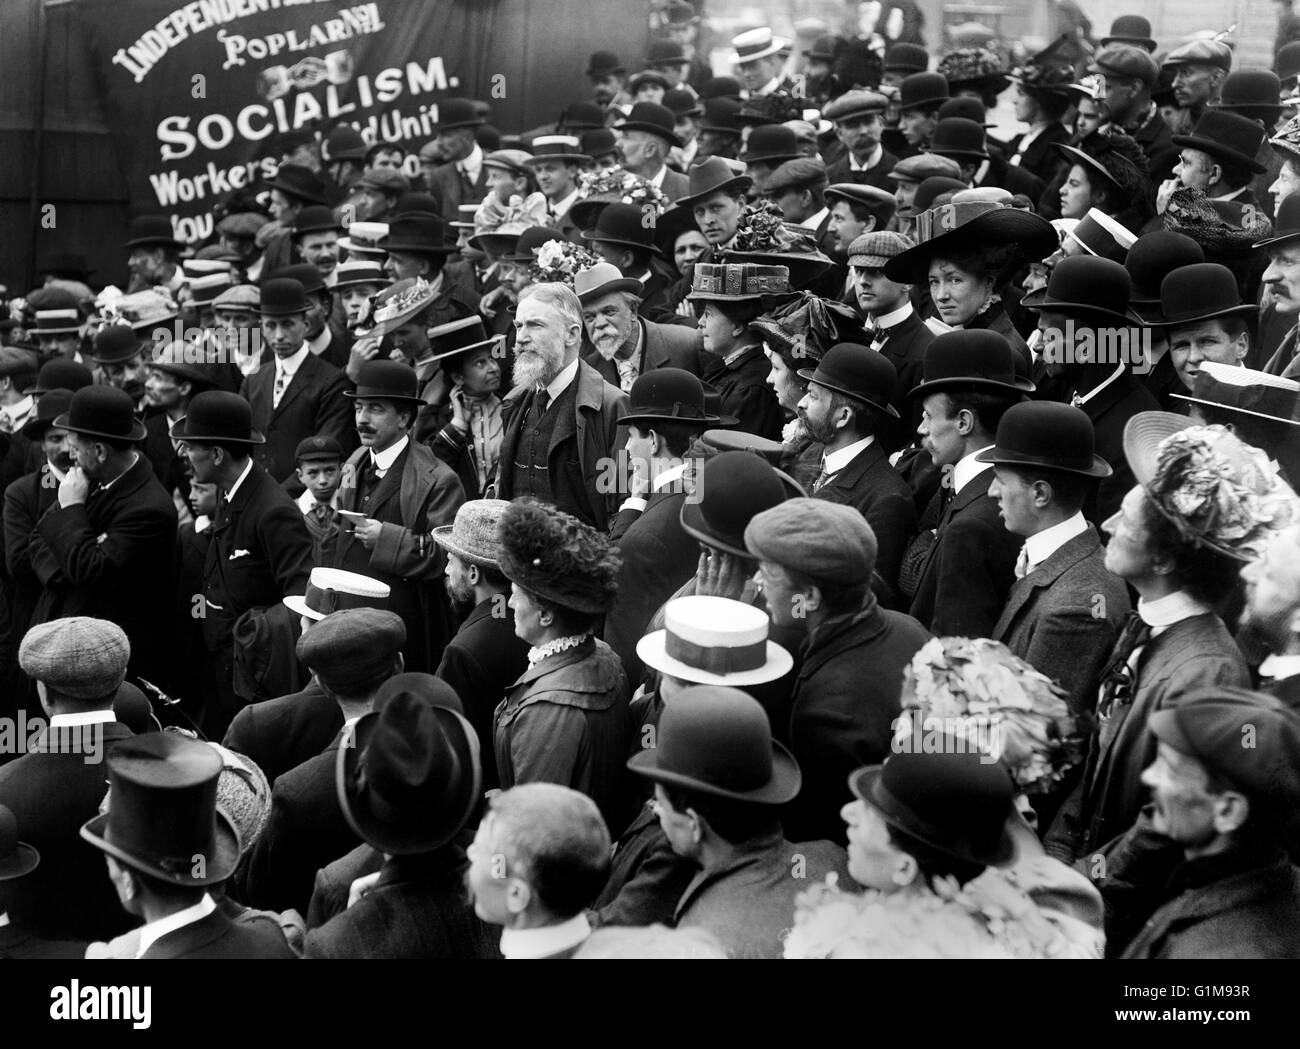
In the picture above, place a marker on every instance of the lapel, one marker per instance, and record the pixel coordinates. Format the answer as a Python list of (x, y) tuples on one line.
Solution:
[(1286, 358), (975, 487), (859, 466), (304, 376), (228, 512), (653, 353), (391, 483), (565, 423), (1046, 574)]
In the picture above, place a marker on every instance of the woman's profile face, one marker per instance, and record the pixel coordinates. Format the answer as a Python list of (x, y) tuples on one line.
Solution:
[(958, 294), (873, 859), (785, 381), (1076, 193)]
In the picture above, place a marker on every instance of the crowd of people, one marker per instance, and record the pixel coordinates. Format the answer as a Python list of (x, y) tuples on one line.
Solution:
[(758, 515)]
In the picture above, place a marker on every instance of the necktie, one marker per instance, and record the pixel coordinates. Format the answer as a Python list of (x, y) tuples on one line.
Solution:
[(822, 478), (281, 381), (322, 512), (541, 402), (1022, 562), (1119, 677), (376, 469), (878, 336)]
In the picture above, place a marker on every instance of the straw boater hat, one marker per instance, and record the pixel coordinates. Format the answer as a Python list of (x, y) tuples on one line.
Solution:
[(363, 238), (1246, 391), (460, 336), (330, 590), (714, 641)]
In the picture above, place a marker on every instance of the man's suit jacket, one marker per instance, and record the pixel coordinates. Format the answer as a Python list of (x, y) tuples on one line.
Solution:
[(219, 936), (259, 554), (111, 558), (312, 405), (675, 185), (662, 346), (1157, 142), (169, 467), (969, 568), (873, 488), (17, 943), (280, 734), (905, 347), (1064, 618), (484, 659), (1110, 412), (417, 909), (455, 189), (877, 176), (656, 286), (52, 791), (24, 502), (1285, 362), (658, 557)]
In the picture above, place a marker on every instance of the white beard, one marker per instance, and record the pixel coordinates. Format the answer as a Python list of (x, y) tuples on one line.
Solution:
[(532, 369)]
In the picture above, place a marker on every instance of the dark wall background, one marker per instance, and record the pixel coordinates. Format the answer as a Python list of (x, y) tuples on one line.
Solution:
[(56, 149)]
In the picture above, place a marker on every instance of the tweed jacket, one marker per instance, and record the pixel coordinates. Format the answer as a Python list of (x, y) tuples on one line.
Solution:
[(662, 346)]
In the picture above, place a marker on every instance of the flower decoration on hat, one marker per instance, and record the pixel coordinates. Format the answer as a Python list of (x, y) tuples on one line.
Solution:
[(1287, 139), (618, 186), (559, 261), (804, 326), (979, 691), (137, 308), (1221, 492), (761, 228), (404, 300), (1047, 70), (972, 63)]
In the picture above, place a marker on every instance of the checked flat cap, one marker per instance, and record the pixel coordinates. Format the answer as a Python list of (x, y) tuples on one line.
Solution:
[(81, 657)]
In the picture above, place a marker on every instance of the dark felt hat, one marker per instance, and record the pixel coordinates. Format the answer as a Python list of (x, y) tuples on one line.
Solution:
[(653, 119), (386, 381), (668, 395), (603, 279), (1286, 224), (216, 416), (975, 357), (735, 487), (295, 180), (530, 240), (1201, 292), (117, 344), (162, 817), (460, 336), (315, 218), (1130, 29), (61, 373), (581, 116), (1149, 260), (282, 296), (1047, 434), (73, 265), (625, 224), (1089, 285), (1226, 136), (906, 58), (970, 225), (712, 176), (349, 648), (16, 857), (721, 116), (457, 112), (52, 404), (598, 142), (102, 411), (604, 63), (859, 372), (721, 87), (922, 91), (683, 104), (1252, 93), (418, 233), (959, 137), (771, 144), (147, 231)]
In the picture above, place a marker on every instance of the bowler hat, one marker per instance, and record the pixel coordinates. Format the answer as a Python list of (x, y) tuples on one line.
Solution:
[(771, 144), (162, 817), (386, 381), (959, 137), (102, 411), (344, 142), (598, 142), (472, 535), (1226, 136), (625, 224), (966, 108), (603, 279), (906, 58), (218, 417), (714, 641), (711, 176), (721, 87), (412, 776), (972, 225), (683, 104), (1098, 288), (717, 740), (721, 116), (581, 116), (52, 404), (1047, 434), (456, 337), (1286, 225), (859, 372), (19, 365), (60, 373), (1125, 60), (1130, 29), (1252, 93), (1150, 258), (295, 180), (922, 91), (417, 233), (1287, 62), (283, 296), (1244, 390), (564, 148), (956, 801), (150, 230), (1201, 292), (457, 112), (16, 857), (653, 119), (734, 487), (331, 590), (977, 357), (116, 344), (603, 64), (667, 395), (315, 218)]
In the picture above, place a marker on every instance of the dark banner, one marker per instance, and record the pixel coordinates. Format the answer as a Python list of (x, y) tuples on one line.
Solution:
[(197, 94)]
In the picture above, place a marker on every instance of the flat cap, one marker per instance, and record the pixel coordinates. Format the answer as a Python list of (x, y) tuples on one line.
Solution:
[(242, 224), (1126, 60), (80, 657), (349, 648), (816, 538), (513, 160), (1251, 738), (799, 173), (854, 104), (240, 297), (860, 193), (386, 180), (923, 166), (873, 250), (14, 361), (1201, 52), (322, 446)]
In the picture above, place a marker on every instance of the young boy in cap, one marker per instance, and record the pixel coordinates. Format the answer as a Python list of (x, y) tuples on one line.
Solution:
[(320, 469)]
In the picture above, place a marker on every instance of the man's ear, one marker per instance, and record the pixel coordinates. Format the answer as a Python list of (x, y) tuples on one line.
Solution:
[(519, 895), (1231, 811)]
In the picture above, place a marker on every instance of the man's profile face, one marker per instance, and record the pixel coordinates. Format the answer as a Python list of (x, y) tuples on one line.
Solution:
[(1182, 806), (1194, 83), (1283, 277)]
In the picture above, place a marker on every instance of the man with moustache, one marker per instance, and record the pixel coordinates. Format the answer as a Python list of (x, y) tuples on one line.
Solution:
[(403, 492), (1282, 278), (486, 656), (1271, 618), (169, 385), (561, 435), (316, 238), (118, 350), (859, 118), (1200, 68)]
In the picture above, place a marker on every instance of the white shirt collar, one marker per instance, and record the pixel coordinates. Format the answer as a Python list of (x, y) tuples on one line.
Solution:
[(4, 919), (561, 382), (770, 86), (872, 160), (230, 495), (657, 180), (135, 458), (19, 410), (1085, 398), (894, 317), (980, 172), (82, 717), (668, 477), (967, 469), (319, 344), (154, 931), (290, 365), (834, 462), (561, 207), (202, 523), (548, 940), (813, 221), (1164, 612), (473, 163), (307, 502), (1278, 667), (385, 459), (1042, 545), (1234, 194)]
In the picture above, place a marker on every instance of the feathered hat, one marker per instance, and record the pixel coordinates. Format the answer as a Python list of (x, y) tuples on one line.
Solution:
[(555, 556)]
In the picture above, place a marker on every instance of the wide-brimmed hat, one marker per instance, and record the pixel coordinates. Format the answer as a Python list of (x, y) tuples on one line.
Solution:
[(102, 411), (460, 336), (668, 395), (1227, 136), (1098, 288), (712, 176), (331, 590), (146, 309), (977, 358), (530, 241), (1050, 435), (714, 641), (724, 282), (394, 381), (978, 67), (734, 487), (147, 231), (16, 857), (754, 44), (625, 224), (970, 225), (717, 740), (401, 302), (956, 801), (859, 372), (473, 535), (1090, 164), (282, 297), (295, 180), (555, 556), (1218, 491), (565, 148), (922, 91), (217, 417), (1201, 292), (1245, 390), (116, 344), (1130, 29), (162, 817), (1153, 256), (417, 233), (603, 279), (412, 776)]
